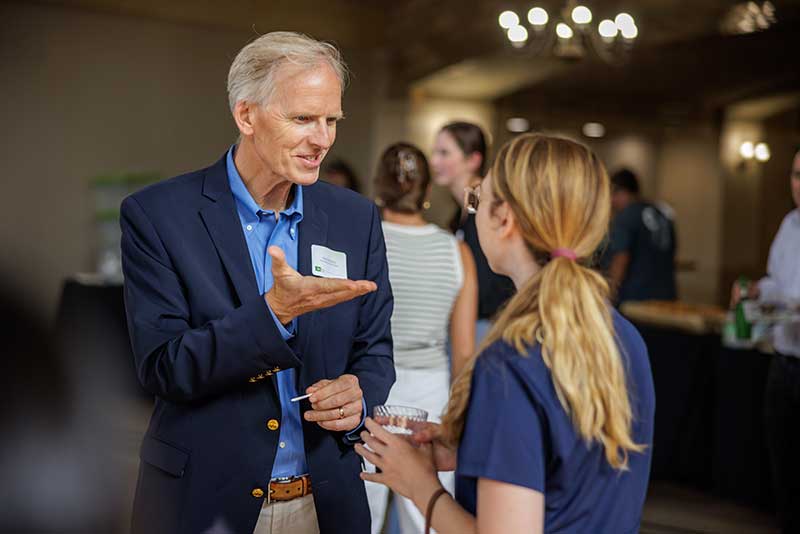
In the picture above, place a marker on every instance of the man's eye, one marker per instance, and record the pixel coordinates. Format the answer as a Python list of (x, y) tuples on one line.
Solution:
[(332, 120), (302, 118)]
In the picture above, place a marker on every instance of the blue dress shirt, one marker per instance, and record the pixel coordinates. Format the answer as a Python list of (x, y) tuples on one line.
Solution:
[(261, 231)]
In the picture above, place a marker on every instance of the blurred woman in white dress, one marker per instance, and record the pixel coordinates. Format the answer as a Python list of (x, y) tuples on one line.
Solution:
[(435, 294)]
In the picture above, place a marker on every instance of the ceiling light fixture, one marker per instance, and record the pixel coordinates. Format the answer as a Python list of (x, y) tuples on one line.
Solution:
[(571, 33)]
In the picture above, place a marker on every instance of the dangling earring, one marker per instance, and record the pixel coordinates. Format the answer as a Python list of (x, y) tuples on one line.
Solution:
[(426, 205)]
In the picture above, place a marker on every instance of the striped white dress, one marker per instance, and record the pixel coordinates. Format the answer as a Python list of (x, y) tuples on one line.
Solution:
[(426, 274)]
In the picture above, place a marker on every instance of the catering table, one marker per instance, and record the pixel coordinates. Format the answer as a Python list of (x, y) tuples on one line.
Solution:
[(683, 375), (740, 462), (709, 428)]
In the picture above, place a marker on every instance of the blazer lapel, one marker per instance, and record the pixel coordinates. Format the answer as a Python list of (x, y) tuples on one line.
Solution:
[(313, 230), (222, 222)]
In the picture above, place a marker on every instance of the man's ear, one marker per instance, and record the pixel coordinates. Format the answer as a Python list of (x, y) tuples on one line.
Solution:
[(244, 116)]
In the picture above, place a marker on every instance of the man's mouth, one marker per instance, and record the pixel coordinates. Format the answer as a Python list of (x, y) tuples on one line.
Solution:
[(311, 162), (311, 158)]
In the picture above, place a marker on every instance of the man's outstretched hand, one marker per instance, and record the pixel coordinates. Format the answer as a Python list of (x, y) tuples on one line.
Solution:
[(293, 294)]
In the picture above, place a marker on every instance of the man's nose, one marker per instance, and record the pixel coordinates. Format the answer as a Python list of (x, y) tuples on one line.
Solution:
[(323, 135)]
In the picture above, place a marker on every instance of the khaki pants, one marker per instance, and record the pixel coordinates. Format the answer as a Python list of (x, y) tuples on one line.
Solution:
[(297, 516)]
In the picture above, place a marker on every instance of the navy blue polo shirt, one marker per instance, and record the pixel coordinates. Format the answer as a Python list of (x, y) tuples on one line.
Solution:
[(517, 432)]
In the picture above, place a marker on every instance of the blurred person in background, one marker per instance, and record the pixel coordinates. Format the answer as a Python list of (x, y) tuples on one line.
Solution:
[(57, 458), (433, 283), (640, 257), (549, 428), (781, 287), (223, 315), (458, 162), (338, 172)]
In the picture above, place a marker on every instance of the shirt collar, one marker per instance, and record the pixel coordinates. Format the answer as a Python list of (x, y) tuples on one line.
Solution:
[(245, 203)]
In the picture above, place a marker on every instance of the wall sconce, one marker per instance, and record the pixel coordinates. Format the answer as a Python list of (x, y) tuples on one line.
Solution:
[(759, 151), (518, 125), (594, 130), (762, 152)]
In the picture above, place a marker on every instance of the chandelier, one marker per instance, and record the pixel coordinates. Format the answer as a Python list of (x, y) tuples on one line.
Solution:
[(749, 17), (571, 34)]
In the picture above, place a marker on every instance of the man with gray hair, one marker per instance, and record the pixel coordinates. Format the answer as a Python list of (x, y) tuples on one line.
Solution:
[(259, 306)]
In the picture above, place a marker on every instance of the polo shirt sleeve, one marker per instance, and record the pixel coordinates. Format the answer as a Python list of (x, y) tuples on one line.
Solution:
[(503, 438)]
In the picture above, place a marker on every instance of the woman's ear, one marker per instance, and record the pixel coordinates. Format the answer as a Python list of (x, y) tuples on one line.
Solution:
[(243, 115), (474, 162), (506, 221)]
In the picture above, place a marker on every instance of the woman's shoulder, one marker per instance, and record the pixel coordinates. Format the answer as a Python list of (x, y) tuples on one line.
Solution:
[(502, 367), (417, 231), (501, 361), (442, 233), (637, 360)]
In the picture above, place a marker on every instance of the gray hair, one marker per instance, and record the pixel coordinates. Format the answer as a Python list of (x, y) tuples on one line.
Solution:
[(252, 74)]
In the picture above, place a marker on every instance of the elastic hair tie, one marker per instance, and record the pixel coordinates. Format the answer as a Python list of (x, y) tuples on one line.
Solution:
[(564, 253)]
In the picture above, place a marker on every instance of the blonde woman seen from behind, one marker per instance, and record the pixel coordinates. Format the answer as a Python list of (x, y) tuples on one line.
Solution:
[(548, 427), (434, 283)]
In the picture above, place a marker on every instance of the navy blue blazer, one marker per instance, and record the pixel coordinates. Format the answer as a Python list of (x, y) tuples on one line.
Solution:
[(207, 347)]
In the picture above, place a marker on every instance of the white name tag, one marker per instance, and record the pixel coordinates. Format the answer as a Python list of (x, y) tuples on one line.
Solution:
[(327, 263)]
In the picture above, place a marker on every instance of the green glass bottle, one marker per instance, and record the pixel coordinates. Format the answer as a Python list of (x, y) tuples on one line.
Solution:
[(744, 328)]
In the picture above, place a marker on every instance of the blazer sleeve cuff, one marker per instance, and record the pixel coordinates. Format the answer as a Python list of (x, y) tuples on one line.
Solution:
[(269, 339)]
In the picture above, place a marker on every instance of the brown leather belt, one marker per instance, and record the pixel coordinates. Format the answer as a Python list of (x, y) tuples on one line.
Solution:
[(288, 489)]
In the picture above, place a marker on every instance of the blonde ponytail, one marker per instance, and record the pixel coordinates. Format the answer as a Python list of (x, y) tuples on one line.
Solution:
[(559, 193)]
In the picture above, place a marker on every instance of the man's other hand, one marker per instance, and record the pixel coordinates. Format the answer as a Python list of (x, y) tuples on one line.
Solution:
[(336, 404)]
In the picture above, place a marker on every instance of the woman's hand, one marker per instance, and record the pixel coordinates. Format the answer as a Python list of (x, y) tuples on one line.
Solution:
[(406, 469), (444, 456)]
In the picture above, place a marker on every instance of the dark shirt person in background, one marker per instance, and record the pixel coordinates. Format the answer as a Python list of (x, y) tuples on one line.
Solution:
[(458, 162), (338, 172), (640, 258)]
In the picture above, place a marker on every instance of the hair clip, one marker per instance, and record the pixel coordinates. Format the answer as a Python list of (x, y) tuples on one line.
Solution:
[(407, 166)]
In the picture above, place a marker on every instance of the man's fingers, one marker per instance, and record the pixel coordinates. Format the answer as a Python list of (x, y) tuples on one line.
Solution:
[(366, 286), (318, 297), (341, 425), (343, 398), (279, 265), (334, 387), (318, 385), (349, 410), (336, 285), (326, 300)]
